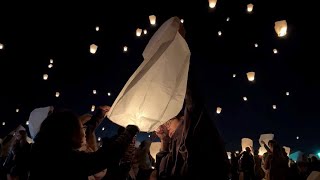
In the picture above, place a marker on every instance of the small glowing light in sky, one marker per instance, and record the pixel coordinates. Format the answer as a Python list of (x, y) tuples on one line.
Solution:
[(109, 94), (228, 19), (256, 45), (219, 33), (298, 137), (102, 128), (27, 123)]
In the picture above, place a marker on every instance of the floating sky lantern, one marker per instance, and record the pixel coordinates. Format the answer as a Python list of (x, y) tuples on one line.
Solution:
[(138, 32), (274, 106), (109, 93), (27, 123), (219, 109), (102, 128), (249, 8), (93, 107), (94, 91), (149, 136), (281, 28), (50, 66), (219, 33), (145, 31), (234, 75), (212, 3), (51, 61), (57, 94), (245, 98), (275, 51), (99, 138), (97, 28), (250, 76), (182, 21), (256, 45), (45, 77), (228, 19), (3, 123), (287, 93), (125, 49), (297, 137), (1, 46), (93, 48), (152, 19), (246, 142), (17, 110)]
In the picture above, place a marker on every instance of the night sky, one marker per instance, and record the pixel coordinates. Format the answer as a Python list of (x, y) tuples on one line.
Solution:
[(34, 35)]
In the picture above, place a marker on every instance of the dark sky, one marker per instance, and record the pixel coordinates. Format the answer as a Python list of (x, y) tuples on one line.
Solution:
[(34, 34)]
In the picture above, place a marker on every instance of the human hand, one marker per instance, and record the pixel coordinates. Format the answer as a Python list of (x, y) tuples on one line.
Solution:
[(162, 132)]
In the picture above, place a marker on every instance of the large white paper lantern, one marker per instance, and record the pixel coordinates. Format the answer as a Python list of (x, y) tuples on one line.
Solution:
[(212, 3), (37, 116), (93, 48), (152, 19), (219, 109), (149, 100), (281, 28), (138, 32), (287, 149), (45, 77), (266, 138), (57, 94), (249, 8), (250, 76), (145, 31), (246, 142), (1, 46)]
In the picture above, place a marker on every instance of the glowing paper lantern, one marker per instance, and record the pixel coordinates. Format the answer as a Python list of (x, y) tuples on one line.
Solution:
[(228, 19), (266, 138), (275, 51), (94, 91), (125, 49), (249, 8), (287, 149), (93, 48), (109, 94), (57, 94), (17, 110), (229, 155), (37, 116), (102, 128), (3, 123), (138, 32), (287, 93), (212, 3), (155, 148), (219, 33), (219, 109), (50, 66), (281, 28), (246, 142), (167, 53), (297, 137), (152, 19), (250, 76), (99, 138), (256, 45), (182, 21), (45, 76), (93, 107), (145, 31), (1, 46), (274, 106), (97, 28), (245, 98), (51, 61), (27, 123), (234, 75)]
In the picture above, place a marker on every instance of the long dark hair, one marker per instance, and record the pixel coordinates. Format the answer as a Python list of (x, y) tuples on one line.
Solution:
[(59, 130)]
